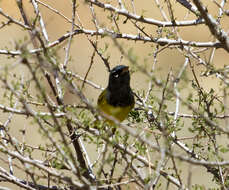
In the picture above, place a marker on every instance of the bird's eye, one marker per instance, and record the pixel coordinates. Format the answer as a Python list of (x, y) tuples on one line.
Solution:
[(116, 75)]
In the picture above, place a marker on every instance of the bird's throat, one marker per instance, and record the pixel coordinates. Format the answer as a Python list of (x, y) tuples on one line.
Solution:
[(120, 97)]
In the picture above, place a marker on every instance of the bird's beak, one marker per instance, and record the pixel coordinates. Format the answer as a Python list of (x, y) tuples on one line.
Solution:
[(124, 70)]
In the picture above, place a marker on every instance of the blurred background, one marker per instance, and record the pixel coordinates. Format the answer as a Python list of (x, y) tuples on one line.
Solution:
[(81, 52)]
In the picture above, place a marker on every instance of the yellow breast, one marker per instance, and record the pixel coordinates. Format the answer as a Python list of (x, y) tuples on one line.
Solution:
[(118, 112)]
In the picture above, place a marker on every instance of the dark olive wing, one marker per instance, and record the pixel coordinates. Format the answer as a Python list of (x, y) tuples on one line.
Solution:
[(102, 98)]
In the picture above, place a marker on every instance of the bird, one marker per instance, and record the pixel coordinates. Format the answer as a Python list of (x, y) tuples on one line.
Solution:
[(117, 100)]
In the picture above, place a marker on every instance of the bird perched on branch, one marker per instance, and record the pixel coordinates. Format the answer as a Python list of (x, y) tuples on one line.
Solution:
[(117, 99)]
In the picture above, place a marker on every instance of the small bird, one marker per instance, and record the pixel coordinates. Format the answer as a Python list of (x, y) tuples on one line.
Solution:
[(117, 99)]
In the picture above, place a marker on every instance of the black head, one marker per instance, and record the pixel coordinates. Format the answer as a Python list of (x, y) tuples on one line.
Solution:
[(119, 92), (119, 78)]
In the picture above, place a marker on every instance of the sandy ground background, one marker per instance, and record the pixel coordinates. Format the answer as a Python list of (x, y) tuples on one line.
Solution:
[(81, 52)]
